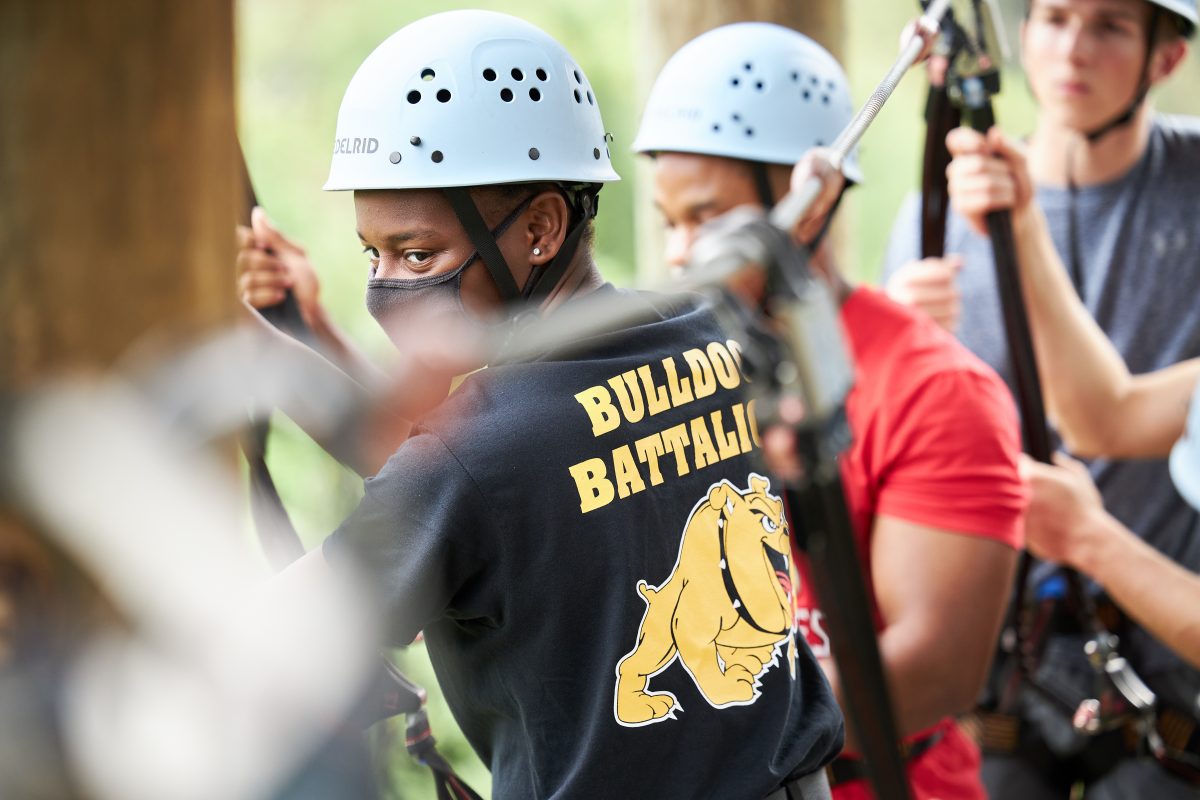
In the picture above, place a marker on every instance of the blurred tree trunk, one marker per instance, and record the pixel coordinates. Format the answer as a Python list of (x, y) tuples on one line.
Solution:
[(663, 27), (117, 203), (117, 177)]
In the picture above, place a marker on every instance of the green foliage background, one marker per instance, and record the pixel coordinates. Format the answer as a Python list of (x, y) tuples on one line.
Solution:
[(295, 58)]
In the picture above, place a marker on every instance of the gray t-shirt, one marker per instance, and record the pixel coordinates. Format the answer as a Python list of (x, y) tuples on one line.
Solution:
[(1139, 257)]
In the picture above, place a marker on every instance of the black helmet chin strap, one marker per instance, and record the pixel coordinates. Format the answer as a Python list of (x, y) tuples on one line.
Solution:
[(1093, 136), (1125, 117), (583, 205), (484, 239), (766, 195), (542, 279), (762, 184)]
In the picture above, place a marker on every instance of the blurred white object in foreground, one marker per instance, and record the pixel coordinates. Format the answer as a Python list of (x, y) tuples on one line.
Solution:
[(226, 680)]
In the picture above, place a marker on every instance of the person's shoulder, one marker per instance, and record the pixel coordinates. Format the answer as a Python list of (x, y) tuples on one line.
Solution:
[(602, 322), (639, 316), (423, 459), (882, 330), (509, 407), (902, 353), (1179, 138)]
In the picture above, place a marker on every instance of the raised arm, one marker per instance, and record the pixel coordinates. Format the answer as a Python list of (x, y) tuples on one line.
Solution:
[(1099, 408), (270, 264)]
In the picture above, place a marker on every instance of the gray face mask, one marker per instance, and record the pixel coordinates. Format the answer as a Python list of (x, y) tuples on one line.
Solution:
[(434, 295)]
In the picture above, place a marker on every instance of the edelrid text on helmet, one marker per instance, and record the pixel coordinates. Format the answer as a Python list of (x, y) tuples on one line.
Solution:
[(468, 98), (751, 90)]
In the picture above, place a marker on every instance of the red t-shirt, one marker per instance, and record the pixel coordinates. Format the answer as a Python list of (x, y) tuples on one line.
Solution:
[(935, 443)]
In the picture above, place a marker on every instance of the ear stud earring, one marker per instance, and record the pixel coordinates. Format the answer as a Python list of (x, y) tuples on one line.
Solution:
[(537, 251)]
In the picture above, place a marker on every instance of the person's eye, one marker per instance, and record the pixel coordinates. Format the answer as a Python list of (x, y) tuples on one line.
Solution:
[(373, 256), (417, 258)]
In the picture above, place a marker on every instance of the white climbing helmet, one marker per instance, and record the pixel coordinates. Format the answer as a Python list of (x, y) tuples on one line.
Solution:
[(1185, 10), (468, 98), (751, 90)]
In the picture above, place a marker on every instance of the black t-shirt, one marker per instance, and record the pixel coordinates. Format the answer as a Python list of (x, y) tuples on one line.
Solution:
[(601, 571)]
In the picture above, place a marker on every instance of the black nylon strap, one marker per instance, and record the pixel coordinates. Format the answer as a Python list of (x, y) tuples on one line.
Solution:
[(541, 284), (762, 184), (1143, 83), (277, 535), (485, 244), (941, 117), (1074, 265)]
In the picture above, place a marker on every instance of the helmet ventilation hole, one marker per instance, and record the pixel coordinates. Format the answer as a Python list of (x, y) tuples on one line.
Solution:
[(747, 66), (591, 99), (806, 94), (414, 97), (506, 94), (517, 74), (443, 95), (578, 97), (759, 85), (749, 131), (795, 76), (578, 77), (815, 80), (534, 94), (436, 156), (825, 99), (534, 154), (596, 153), (541, 74), (736, 117), (489, 74), (735, 82), (428, 74), (716, 127)]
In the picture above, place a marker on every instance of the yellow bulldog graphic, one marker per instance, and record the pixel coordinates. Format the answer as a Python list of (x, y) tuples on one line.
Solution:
[(725, 610)]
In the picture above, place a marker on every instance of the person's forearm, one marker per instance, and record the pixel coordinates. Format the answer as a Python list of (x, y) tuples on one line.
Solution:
[(1154, 412), (920, 698), (1159, 594), (1099, 408), (341, 349), (324, 401)]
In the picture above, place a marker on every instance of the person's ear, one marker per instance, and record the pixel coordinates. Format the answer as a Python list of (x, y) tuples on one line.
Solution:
[(547, 225), (1168, 55)]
